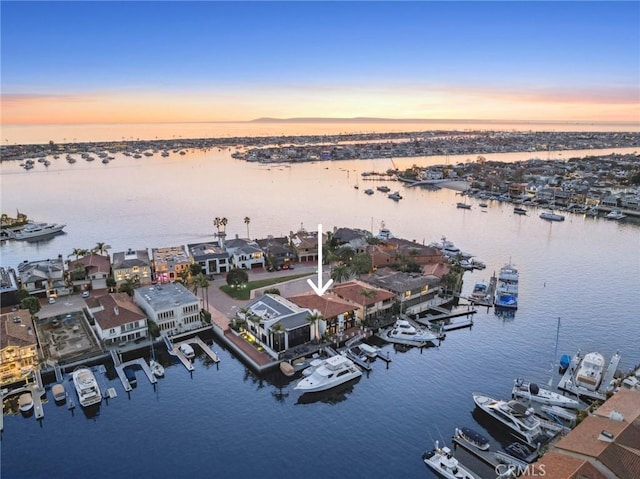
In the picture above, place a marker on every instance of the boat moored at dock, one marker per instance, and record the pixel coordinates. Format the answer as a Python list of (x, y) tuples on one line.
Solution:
[(86, 387), (532, 392), (25, 402), (589, 373), (442, 462), (506, 296), (403, 332), (36, 230), (472, 437), (330, 373)]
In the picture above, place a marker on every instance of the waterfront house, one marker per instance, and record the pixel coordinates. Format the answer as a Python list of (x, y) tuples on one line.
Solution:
[(337, 314), (603, 445), (44, 278), (355, 238), (171, 306), (118, 319), (415, 292), (90, 271), (18, 346), (278, 252), (132, 265), (396, 251), (8, 287), (305, 245), (372, 302), (170, 263), (244, 254), (276, 323), (210, 256)]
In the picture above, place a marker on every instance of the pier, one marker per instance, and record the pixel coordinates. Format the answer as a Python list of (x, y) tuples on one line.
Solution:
[(485, 456), (174, 350), (123, 377)]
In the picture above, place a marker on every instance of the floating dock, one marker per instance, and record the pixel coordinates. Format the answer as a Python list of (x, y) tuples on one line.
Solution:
[(567, 382), (123, 377)]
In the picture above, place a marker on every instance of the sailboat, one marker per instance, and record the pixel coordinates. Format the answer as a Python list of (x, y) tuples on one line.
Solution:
[(156, 368)]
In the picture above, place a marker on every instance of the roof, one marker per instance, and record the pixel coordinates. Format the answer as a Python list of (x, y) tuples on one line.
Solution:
[(328, 305), (562, 466), (397, 281), (201, 251), (93, 263), (130, 258), (272, 306), (16, 333), (165, 296), (352, 291), (118, 310)]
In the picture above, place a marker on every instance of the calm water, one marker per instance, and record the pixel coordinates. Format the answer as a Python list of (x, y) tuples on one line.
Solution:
[(223, 421)]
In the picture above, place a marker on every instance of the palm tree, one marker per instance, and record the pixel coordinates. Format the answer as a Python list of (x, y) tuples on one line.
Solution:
[(340, 273), (247, 220), (277, 331), (366, 294), (202, 282), (101, 248), (313, 319), (77, 252)]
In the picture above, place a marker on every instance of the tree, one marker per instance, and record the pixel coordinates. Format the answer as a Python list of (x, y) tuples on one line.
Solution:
[(31, 303), (361, 264), (111, 283), (127, 287), (21, 294), (195, 269), (202, 282), (154, 329), (313, 319), (247, 220), (272, 291), (101, 248), (237, 277), (340, 273), (77, 252), (277, 336)]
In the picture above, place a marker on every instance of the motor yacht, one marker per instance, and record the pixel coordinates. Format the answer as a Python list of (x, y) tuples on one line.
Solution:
[(332, 372), (86, 387), (517, 417), (506, 296), (589, 372), (187, 351), (35, 230), (615, 215), (442, 462), (532, 392), (403, 332), (551, 216)]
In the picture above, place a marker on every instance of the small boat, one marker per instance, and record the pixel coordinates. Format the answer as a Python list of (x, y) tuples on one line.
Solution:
[(131, 375), (551, 216), (25, 402), (463, 206), (369, 350), (156, 368), (531, 391), (368, 191), (59, 394), (403, 332), (589, 373), (287, 369), (565, 361), (332, 372), (187, 351), (472, 437), (519, 211), (442, 462), (394, 196), (615, 215), (522, 452), (384, 189), (384, 233), (482, 205)]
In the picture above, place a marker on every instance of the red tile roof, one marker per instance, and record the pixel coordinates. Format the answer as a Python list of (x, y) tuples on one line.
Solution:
[(118, 310), (352, 291), (328, 304)]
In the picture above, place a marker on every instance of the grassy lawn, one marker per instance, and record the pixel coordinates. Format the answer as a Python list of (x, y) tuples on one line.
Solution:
[(245, 291)]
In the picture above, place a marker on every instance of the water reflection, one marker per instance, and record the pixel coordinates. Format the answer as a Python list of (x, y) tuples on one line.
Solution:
[(332, 396)]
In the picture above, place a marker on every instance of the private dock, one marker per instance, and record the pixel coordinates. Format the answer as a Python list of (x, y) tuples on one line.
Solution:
[(567, 382), (491, 292), (485, 456), (123, 377), (174, 350)]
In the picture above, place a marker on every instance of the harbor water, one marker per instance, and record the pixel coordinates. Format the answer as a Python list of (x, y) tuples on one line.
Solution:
[(223, 420)]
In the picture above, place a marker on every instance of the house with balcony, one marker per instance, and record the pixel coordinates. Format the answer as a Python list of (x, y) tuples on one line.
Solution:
[(44, 278), (118, 319), (337, 315), (90, 271), (18, 347), (398, 251), (174, 308), (372, 302), (210, 256), (244, 254), (169, 264), (356, 239), (278, 252), (132, 265)]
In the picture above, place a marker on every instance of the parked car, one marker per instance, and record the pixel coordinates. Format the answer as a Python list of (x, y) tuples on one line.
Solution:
[(52, 300), (86, 294)]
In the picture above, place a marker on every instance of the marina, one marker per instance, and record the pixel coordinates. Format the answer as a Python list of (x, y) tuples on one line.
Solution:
[(569, 383)]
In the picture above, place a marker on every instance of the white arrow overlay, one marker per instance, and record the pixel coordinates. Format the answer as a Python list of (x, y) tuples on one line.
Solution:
[(319, 289)]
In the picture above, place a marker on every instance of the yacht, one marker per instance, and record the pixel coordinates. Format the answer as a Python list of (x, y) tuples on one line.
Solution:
[(442, 462), (532, 392), (507, 289), (187, 351), (480, 291), (156, 368), (333, 371), (551, 216), (463, 206), (514, 415), (25, 402), (395, 196), (519, 211), (589, 373), (615, 215), (34, 230), (368, 191), (369, 350), (384, 189), (86, 387), (472, 437), (384, 233), (403, 332)]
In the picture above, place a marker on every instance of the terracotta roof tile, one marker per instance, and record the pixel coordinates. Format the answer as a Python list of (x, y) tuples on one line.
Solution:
[(328, 304)]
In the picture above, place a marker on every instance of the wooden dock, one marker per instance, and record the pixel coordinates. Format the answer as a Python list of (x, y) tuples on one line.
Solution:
[(485, 456), (123, 377), (207, 349)]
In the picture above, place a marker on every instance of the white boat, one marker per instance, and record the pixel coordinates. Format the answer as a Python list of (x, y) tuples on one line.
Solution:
[(86, 387), (472, 437), (515, 416), (25, 402), (369, 350), (156, 368), (332, 372), (384, 233), (551, 216), (589, 373), (463, 206), (34, 230), (480, 291), (403, 332), (532, 392), (442, 462), (59, 394), (187, 351), (519, 211), (506, 295), (615, 215), (368, 191)]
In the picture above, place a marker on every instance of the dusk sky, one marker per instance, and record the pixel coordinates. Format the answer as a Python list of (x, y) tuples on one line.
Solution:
[(92, 62)]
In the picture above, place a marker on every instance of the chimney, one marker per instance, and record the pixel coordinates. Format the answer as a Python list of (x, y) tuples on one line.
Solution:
[(116, 311)]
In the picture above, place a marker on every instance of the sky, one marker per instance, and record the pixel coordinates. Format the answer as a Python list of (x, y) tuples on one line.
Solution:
[(122, 62)]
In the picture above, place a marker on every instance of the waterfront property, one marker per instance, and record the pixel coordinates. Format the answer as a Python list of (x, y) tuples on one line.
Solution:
[(244, 254), (90, 271), (210, 256), (18, 346), (117, 319), (44, 278), (170, 263), (373, 302), (336, 315), (8, 286), (132, 265), (305, 244), (171, 306)]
